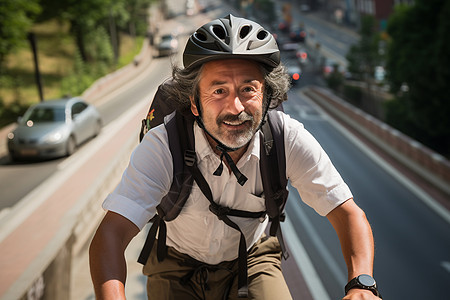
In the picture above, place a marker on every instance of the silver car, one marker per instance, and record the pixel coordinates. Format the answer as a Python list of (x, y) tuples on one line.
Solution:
[(168, 45), (54, 129)]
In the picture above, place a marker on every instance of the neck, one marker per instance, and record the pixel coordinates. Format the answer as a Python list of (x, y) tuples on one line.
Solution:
[(235, 155)]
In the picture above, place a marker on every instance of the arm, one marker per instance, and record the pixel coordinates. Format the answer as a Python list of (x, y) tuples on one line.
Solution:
[(106, 256), (355, 236)]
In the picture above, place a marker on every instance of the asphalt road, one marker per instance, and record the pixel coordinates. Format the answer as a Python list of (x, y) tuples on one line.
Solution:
[(412, 241)]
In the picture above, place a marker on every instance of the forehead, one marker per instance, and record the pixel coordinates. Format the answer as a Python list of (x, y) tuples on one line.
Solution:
[(230, 69)]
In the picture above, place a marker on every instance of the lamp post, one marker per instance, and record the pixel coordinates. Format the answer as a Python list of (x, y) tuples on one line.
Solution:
[(32, 39)]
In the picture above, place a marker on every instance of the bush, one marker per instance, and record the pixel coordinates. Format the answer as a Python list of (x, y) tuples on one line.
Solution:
[(353, 94), (10, 113)]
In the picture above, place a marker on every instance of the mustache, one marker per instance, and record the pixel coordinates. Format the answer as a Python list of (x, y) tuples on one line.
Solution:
[(241, 117)]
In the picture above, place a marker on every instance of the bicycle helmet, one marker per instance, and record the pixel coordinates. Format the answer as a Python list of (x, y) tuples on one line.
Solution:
[(231, 37)]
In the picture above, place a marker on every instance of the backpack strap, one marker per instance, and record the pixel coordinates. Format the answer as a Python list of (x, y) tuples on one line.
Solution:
[(180, 189), (272, 164)]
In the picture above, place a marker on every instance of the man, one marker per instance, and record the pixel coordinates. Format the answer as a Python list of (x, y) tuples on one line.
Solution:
[(232, 75)]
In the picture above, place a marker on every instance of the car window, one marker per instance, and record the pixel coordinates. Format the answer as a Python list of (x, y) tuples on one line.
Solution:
[(78, 108), (46, 114)]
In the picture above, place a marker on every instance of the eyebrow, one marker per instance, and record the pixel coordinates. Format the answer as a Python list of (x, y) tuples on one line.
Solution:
[(219, 82)]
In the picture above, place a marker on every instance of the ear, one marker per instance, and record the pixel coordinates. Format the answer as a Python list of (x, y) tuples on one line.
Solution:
[(194, 109)]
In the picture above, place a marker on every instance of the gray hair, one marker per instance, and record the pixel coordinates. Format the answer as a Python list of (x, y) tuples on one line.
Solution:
[(184, 84)]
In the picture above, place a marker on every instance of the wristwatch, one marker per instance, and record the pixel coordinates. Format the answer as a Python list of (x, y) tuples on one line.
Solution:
[(365, 282)]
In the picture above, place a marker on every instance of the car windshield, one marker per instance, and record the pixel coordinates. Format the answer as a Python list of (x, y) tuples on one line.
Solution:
[(45, 114)]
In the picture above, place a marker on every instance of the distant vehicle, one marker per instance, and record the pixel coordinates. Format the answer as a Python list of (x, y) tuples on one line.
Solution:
[(295, 72), (168, 45), (302, 56), (329, 65), (298, 34), (284, 26), (54, 128)]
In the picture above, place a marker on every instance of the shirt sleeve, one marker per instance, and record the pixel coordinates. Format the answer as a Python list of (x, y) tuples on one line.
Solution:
[(311, 171), (145, 181)]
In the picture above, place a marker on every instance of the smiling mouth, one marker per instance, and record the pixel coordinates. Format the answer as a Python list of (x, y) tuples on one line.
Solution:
[(234, 123)]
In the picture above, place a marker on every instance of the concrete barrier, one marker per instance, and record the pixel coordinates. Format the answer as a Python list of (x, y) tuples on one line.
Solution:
[(431, 166)]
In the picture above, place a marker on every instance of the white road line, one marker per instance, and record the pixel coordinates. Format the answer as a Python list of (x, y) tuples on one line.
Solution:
[(304, 263), (420, 193), (322, 249), (27, 205)]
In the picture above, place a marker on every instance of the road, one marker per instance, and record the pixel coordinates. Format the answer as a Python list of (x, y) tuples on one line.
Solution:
[(412, 242)]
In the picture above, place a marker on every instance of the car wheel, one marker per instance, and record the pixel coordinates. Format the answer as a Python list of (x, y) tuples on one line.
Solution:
[(71, 145)]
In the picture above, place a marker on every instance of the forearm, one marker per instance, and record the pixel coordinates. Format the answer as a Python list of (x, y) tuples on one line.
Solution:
[(108, 271), (358, 250), (356, 238), (106, 256)]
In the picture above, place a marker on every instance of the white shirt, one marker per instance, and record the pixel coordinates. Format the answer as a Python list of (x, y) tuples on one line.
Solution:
[(198, 232)]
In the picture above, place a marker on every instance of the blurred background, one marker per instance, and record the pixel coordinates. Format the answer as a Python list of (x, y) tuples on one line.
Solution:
[(369, 81)]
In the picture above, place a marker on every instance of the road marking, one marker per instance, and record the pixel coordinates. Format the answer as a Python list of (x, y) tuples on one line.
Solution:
[(419, 192), (446, 265), (28, 204), (339, 275), (304, 263)]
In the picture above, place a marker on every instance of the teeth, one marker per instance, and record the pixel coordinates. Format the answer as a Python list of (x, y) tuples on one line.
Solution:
[(233, 124)]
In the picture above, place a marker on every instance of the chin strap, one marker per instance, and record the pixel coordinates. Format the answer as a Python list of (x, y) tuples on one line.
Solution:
[(241, 178)]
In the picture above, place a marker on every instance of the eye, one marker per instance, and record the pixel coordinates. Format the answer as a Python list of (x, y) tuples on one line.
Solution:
[(219, 91), (248, 89)]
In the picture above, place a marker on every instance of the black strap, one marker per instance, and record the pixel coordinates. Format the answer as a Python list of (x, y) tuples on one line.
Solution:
[(151, 237), (214, 207)]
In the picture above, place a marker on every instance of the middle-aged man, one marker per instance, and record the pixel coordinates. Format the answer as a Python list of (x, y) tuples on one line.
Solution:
[(231, 75)]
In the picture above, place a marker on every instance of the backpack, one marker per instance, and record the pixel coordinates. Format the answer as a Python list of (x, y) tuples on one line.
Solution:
[(179, 126)]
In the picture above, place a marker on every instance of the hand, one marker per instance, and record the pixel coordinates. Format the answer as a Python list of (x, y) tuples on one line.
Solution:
[(360, 294)]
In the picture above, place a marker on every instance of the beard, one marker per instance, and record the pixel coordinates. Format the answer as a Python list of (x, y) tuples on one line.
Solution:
[(236, 131)]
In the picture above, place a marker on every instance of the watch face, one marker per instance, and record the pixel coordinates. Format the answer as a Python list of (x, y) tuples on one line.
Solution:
[(366, 280)]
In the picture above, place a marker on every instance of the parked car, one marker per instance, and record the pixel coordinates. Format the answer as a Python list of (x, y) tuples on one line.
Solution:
[(54, 128), (168, 45)]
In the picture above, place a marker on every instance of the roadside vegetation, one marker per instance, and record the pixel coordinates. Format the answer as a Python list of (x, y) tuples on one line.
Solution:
[(77, 42), (415, 52)]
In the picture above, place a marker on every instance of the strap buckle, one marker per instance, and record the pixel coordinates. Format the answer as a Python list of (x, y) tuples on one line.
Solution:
[(189, 158)]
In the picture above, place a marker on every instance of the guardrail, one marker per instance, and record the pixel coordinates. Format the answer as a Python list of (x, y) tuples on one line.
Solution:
[(429, 165)]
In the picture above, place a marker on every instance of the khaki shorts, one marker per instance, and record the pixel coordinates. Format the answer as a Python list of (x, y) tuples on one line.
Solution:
[(180, 277)]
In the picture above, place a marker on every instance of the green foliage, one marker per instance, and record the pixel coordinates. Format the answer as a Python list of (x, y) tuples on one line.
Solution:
[(99, 47), (10, 113), (418, 57), (363, 57), (16, 18), (335, 79), (79, 80), (353, 94)]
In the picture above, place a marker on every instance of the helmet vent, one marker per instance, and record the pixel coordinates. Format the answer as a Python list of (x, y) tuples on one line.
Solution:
[(200, 36), (262, 35), (219, 32), (244, 31)]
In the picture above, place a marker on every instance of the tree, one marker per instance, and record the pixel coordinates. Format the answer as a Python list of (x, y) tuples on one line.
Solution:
[(16, 18), (418, 58), (363, 57)]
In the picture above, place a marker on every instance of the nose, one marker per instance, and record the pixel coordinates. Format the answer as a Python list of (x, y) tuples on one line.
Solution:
[(236, 106)]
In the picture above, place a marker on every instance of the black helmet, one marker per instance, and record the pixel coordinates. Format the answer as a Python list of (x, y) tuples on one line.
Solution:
[(231, 37)]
